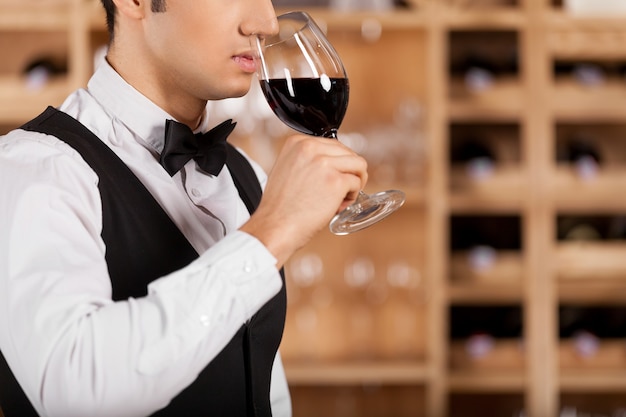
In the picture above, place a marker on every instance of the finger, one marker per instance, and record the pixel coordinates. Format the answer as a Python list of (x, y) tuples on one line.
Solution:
[(353, 165), (354, 187)]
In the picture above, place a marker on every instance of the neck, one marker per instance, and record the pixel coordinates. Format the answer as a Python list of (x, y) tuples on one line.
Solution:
[(163, 91)]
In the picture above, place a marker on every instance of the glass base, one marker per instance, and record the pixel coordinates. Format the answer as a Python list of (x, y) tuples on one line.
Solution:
[(367, 210)]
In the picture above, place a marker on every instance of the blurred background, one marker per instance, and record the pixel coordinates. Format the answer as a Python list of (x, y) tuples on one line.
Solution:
[(499, 289)]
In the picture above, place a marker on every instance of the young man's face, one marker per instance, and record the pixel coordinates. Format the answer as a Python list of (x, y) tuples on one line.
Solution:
[(202, 47)]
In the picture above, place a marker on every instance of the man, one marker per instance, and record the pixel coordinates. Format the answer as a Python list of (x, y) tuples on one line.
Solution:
[(131, 288)]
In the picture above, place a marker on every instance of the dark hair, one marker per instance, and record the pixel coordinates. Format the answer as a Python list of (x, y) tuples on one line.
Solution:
[(157, 6)]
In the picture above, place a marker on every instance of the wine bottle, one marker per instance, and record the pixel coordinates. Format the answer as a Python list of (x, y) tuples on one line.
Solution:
[(479, 73), (582, 228), (584, 156), (498, 322), (604, 322), (39, 71), (589, 74), (477, 157), (502, 232)]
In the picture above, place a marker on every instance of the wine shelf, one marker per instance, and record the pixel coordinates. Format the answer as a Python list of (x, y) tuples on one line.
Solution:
[(368, 326)]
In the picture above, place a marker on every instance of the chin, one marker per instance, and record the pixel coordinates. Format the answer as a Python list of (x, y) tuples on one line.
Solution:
[(233, 90)]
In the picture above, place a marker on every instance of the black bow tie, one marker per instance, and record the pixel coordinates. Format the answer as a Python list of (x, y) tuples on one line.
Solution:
[(207, 149)]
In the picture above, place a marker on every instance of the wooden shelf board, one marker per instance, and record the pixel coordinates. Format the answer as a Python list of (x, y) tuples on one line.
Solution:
[(17, 104), (504, 190), (593, 381), (597, 263), (356, 373), (609, 357), (564, 20), (501, 102), (486, 382), (575, 45), (484, 18), (568, 190), (484, 294), (500, 282), (593, 291), (47, 15), (505, 357), (574, 102), (473, 205)]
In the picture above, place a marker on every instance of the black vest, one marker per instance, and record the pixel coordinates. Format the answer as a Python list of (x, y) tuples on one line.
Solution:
[(237, 381)]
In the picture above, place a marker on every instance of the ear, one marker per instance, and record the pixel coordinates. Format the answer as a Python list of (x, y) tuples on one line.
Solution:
[(134, 9)]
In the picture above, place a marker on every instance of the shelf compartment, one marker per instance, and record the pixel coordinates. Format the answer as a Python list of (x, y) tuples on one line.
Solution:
[(349, 330), (482, 404), (609, 403), (486, 351), (484, 75), (24, 91), (345, 294)]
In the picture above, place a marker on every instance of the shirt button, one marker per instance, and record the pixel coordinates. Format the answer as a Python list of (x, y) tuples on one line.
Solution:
[(205, 320), (247, 268), (195, 192)]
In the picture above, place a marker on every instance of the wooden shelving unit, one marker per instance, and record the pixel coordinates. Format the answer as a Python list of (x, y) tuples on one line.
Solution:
[(369, 322)]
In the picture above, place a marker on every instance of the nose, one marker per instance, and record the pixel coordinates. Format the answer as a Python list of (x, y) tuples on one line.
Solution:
[(261, 21)]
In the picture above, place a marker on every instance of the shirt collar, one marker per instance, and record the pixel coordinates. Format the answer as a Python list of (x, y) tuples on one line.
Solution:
[(130, 107)]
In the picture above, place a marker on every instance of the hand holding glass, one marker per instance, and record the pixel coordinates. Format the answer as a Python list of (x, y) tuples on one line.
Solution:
[(305, 83)]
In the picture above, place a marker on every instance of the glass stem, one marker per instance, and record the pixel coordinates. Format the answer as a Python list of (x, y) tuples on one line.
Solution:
[(332, 134)]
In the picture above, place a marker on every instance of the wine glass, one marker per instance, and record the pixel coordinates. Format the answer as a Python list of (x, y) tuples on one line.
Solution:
[(305, 84)]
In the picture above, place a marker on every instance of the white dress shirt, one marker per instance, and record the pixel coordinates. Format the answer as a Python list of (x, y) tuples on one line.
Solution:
[(74, 350)]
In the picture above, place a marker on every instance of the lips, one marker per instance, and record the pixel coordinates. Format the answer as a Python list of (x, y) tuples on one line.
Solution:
[(245, 62)]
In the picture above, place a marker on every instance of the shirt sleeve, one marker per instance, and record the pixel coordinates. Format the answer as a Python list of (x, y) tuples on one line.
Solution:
[(74, 350)]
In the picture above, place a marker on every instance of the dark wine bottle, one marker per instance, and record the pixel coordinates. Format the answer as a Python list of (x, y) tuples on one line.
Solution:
[(582, 228), (39, 71), (585, 73), (479, 73), (477, 157), (605, 322), (481, 327), (500, 232), (479, 65), (589, 74), (583, 155)]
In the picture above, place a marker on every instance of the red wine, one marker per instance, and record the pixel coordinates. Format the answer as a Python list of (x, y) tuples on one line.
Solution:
[(314, 106)]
